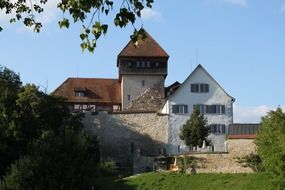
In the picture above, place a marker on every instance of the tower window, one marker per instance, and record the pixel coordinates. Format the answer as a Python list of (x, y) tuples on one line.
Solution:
[(129, 97), (138, 64), (148, 63), (143, 82)]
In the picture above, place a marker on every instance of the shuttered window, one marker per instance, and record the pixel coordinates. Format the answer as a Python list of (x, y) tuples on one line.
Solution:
[(199, 88), (218, 128), (210, 109), (180, 109)]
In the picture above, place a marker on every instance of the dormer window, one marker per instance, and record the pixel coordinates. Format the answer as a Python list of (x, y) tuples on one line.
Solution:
[(80, 92)]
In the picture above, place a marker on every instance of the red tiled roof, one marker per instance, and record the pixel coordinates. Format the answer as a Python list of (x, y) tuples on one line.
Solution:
[(145, 48), (242, 136), (105, 91)]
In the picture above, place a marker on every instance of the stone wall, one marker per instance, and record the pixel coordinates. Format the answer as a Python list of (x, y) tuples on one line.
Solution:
[(150, 100), (132, 85), (226, 162), (120, 135)]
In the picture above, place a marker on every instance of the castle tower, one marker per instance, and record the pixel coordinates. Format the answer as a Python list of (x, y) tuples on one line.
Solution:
[(141, 68)]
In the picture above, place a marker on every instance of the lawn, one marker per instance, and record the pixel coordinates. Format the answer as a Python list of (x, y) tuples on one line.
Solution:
[(176, 181)]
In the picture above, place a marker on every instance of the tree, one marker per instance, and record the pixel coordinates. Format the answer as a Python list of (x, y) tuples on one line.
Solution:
[(37, 132), (88, 12), (270, 143), (195, 131), (70, 162)]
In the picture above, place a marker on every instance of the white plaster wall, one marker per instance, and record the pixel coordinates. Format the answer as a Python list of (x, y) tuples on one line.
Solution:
[(132, 84), (165, 109), (183, 95)]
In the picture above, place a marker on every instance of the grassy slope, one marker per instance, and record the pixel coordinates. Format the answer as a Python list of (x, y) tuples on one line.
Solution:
[(171, 181)]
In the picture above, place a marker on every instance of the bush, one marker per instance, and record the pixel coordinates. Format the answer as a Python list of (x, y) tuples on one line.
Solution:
[(186, 162), (253, 161), (108, 168)]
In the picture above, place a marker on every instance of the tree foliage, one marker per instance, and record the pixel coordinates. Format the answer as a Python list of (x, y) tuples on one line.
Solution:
[(87, 12), (42, 145), (70, 162), (270, 143), (195, 131)]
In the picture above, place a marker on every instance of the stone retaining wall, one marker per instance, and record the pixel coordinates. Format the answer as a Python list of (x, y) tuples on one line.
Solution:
[(226, 162)]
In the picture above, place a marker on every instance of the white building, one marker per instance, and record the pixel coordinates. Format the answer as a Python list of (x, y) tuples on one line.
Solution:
[(202, 90)]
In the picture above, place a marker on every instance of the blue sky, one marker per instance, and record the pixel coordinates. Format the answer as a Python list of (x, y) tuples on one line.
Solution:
[(240, 42)]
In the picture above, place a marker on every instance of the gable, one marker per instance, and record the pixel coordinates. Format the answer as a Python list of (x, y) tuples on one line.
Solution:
[(200, 76)]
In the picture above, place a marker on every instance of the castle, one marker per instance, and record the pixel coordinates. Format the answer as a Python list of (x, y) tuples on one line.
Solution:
[(137, 111)]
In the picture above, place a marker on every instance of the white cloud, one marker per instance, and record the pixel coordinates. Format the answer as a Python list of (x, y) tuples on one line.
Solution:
[(241, 3), (250, 114), (282, 8), (150, 14), (50, 11)]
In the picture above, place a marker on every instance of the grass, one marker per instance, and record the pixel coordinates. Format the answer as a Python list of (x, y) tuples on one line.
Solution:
[(176, 181)]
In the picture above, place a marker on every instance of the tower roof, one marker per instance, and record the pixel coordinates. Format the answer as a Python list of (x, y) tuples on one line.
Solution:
[(145, 48)]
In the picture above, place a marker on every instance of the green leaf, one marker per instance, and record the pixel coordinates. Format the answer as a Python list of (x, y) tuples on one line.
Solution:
[(83, 36), (104, 28), (64, 23), (12, 20)]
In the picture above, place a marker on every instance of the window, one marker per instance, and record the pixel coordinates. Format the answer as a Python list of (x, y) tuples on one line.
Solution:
[(180, 109), (148, 63), (218, 128), (157, 64), (138, 64), (201, 108), (79, 93), (143, 64), (129, 64), (204, 88), (210, 109), (194, 87), (199, 88), (129, 97), (143, 83)]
